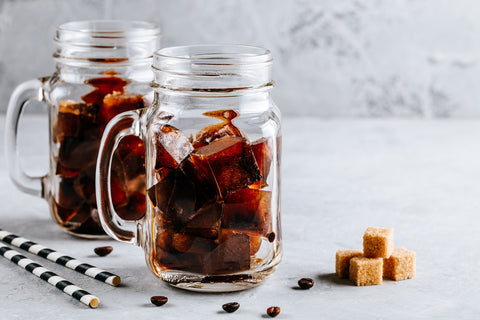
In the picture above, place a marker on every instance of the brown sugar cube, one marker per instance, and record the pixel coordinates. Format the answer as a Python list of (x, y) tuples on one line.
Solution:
[(400, 265), (378, 242), (366, 271), (342, 261)]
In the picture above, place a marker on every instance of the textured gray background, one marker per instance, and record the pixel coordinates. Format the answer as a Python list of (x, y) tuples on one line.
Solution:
[(349, 58)]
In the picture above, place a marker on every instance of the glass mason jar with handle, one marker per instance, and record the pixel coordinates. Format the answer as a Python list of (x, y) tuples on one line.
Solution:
[(212, 141), (103, 68)]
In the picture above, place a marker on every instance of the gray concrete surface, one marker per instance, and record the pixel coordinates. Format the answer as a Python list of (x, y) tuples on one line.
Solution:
[(348, 58), (419, 177)]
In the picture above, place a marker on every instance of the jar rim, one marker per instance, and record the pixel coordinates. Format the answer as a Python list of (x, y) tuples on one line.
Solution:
[(97, 42), (212, 69), (97, 28), (213, 54)]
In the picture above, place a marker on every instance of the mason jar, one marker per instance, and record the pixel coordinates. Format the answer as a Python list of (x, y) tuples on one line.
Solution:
[(103, 68), (212, 144)]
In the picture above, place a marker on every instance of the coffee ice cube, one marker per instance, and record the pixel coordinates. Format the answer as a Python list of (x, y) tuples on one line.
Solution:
[(132, 163), (118, 191), (172, 147), (67, 202), (188, 243), (75, 154), (229, 162), (130, 145), (75, 119), (134, 209), (175, 196), (262, 151), (206, 222), (215, 131), (103, 86), (67, 197), (231, 255), (117, 102), (71, 217), (84, 184), (89, 227), (189, 261), (249, 210)]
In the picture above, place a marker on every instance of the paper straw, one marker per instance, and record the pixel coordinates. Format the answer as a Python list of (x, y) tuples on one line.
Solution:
[(50, 277), (59, 258)]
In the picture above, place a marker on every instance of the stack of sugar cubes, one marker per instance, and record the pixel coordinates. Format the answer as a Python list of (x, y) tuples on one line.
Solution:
[(379, 259)]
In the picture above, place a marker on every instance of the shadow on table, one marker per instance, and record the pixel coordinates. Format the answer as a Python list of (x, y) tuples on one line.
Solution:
[(332, 278)]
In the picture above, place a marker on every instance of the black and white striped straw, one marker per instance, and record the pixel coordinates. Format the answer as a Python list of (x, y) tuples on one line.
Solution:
[(59, 258), (50, 277)]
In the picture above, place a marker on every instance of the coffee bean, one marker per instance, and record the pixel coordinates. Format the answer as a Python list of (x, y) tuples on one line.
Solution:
[(271, 236), (231, 307), (305, 283), (159, 300), (273, 311), (103, 251)]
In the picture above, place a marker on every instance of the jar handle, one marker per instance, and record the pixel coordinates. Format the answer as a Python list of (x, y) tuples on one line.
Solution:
[(31, 90), (124, 124)]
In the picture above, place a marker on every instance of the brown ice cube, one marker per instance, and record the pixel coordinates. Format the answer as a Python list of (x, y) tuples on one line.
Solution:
[(81, 215), (206, 222), (68, 203), (84, 184), (248, 210), (75, 154), (175, 196), (71, 217), (262, 150), (215, 131), (206, 189), (63, 214), (89, 227), (74, 119), (133, 165), (134, 209), (168, 257), (67, 197), (164, 240), (188, 243), (103, 86), (162, 173), (189, 261), (128, 166), (130, 145), (118, 185), (172, 147), (231, 255), (229, 162), (182, 193), (117, 102)]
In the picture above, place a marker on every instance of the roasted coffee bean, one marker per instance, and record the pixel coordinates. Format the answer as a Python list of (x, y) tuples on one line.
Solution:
[(159, 300), (273, 311), (271, 236), (231, 307), (305, 283), (103, 251)]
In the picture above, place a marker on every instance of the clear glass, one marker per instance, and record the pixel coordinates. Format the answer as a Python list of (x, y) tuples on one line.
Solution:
[(102, 69), (212, 141)]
